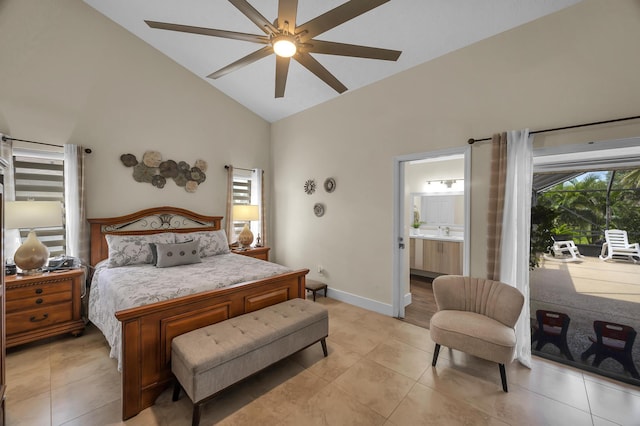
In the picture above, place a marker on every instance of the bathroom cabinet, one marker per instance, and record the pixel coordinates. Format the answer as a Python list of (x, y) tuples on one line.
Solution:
[(440, 256)]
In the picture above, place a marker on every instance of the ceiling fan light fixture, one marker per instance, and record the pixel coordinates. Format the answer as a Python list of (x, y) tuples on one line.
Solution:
[(284, 45)]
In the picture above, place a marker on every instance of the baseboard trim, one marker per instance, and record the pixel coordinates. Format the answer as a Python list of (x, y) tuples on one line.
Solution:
[(407, 299), (361, 302)]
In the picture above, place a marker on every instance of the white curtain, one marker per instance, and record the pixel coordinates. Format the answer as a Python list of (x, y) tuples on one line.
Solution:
[(229, 213), (516, 225), (77, 230), (257, 197)]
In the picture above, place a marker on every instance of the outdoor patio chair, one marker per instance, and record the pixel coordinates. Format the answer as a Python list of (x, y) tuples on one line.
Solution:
[(564, 248), (612, 341), (552, 328), (617, 245)]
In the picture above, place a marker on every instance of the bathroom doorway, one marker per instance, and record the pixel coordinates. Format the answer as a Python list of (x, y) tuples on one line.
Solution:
[(431, 220)]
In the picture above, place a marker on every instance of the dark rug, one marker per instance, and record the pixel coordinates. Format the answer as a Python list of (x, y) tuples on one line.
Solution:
[(583, 291)]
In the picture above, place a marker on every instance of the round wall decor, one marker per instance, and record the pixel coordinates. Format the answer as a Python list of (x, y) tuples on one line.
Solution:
[(310, 186), (330, 184), (318, 209)]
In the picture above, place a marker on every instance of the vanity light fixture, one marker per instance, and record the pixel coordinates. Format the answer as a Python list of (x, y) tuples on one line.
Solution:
[(447, 182)]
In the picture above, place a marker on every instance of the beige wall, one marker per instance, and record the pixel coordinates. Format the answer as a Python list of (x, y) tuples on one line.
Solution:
[(70, 75), (576, 66)]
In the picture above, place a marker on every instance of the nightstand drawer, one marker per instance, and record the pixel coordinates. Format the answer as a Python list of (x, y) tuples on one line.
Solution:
[(37, 318), (39, 290), (26, 303)]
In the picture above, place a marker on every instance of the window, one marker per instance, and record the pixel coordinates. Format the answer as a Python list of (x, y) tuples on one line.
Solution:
[(39, 176), (241, 195), (247, 190)]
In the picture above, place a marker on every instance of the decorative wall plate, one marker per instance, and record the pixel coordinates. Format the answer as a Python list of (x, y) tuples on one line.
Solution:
[(318, 209), (310, 186), (329, 184)]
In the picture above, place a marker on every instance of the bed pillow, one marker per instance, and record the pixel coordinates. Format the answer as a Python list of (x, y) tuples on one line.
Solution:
[(134, 249), (174, 254), (212, 243)]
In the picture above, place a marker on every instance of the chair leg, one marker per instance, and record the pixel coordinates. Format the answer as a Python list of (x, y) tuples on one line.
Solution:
[(503, 376), (323, 342), (586, 354), (435, 355), (630, 366), (565, 350)]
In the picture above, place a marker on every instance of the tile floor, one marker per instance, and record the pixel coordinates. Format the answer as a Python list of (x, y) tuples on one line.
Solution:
[(378, 372)]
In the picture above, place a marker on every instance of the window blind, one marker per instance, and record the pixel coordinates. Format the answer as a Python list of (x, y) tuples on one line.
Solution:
[(241, 195), (41, 179)]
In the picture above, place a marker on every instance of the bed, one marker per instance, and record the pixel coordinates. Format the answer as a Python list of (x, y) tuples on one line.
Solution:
[(146, 330)]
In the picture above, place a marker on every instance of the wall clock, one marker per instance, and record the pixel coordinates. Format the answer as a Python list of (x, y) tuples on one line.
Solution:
[(310, 186)]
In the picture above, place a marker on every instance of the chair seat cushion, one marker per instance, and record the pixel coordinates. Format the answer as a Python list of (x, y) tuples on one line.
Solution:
[(474, 334)]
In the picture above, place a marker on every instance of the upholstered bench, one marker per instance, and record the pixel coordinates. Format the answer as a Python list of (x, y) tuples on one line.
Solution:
[(209, 359)]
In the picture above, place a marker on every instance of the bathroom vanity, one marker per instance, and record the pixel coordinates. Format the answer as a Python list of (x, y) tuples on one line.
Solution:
[(436, 254)]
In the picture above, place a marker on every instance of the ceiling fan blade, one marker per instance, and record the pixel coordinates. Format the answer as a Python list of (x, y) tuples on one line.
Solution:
[(287, 12), (249, 59), (335, 17), (209, 31), (342, 49), (255, 16), (282, 69), (310, 63)]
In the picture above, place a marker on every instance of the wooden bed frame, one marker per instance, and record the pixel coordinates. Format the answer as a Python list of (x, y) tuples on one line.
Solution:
[(147, 330)]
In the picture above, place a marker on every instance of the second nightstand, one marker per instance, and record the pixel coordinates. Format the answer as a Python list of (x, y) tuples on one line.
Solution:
[(39, 306), (257, 252)]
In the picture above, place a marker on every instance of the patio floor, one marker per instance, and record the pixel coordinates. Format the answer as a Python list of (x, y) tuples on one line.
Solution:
[(589, 290)]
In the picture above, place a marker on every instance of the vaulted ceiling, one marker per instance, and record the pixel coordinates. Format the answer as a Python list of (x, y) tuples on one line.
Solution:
[(421, 29)]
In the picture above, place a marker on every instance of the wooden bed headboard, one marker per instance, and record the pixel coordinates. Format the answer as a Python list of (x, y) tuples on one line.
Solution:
[(149, 221)]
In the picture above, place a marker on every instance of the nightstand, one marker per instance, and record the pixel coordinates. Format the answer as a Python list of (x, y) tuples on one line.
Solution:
[(44, 305), (261, 253)]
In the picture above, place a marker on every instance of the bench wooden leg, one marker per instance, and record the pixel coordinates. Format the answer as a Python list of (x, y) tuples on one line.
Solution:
[(176, 390), (323, 342), (195, 420)]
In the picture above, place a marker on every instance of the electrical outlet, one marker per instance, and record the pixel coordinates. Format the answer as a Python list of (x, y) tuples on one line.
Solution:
[(320, 269)]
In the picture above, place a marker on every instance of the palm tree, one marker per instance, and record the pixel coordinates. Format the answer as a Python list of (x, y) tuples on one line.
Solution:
[(632, 179), (580, 204)]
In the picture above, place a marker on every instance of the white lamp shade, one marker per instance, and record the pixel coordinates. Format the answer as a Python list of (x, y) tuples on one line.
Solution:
[(246, 212), (32, 214)]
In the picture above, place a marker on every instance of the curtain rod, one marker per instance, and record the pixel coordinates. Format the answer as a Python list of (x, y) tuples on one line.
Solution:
[(7, 138), (226, 166), (471, 141)]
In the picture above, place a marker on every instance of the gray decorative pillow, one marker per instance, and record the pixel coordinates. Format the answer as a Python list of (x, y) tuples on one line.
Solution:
[(177, 254), (134, 249), (212, 243)]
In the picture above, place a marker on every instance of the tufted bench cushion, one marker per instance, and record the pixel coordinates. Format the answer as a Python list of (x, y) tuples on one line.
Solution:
[(212, 358)]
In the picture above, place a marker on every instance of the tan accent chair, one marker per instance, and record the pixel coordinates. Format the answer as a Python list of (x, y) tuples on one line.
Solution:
[(476, 316)]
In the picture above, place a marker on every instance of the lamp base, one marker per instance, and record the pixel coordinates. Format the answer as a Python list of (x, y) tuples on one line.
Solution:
[(31, 255), (245, 237)]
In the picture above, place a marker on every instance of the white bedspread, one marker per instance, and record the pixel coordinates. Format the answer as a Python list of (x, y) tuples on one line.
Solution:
[(115, 289)]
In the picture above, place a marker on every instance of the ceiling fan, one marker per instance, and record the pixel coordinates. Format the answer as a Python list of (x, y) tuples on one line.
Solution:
[(288, 40)]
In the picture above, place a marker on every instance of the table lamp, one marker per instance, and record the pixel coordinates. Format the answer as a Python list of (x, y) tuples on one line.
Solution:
[(245, 212), (32, 255)]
